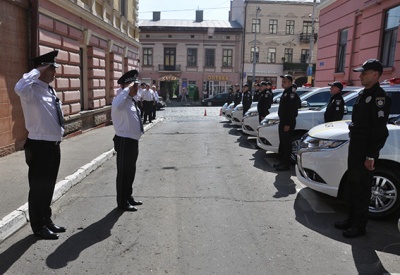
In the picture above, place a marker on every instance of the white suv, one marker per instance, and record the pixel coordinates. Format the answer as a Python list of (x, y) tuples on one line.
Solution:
[(322, 165)]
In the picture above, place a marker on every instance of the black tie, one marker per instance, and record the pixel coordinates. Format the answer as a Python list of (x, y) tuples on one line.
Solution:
[(138, 114), (58, 107)]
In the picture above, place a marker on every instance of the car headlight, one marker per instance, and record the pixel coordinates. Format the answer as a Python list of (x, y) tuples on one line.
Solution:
[(318, 143), (270, 122), (248, 114)]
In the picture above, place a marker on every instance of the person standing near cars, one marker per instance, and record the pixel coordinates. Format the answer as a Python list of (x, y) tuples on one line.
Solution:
[(156, 99), (128, 128), (44, 121), (238, 96), (368, 134), (147, 97), (247, 98), (287, 112), (230, 96), (257, 92), (335, 109), (265, 101)]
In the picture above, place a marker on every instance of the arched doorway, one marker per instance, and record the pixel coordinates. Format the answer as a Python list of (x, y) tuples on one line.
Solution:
[(169, 86)]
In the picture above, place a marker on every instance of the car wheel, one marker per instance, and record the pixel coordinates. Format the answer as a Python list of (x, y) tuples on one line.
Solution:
[(385, 199), (209, 103), (295, 147)]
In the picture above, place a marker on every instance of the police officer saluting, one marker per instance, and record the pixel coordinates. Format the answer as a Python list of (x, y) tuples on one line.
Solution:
[(247, 99), (230, 95), (287, 112), (335, 109), (368, 133), (265, 100)]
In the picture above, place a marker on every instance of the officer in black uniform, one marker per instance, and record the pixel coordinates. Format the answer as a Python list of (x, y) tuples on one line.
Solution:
[(335, 109), (288, 109), (247, 98), (238, 96), (230, 95), (257, 92), (265, 101), (368, 133)]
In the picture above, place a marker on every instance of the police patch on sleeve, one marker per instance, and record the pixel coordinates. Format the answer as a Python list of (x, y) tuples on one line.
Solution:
[(380, 101), (368, 99), (292, 96), (381, 113), (338, 102)]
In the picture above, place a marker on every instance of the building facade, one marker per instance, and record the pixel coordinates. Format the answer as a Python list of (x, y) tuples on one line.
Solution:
[(280, 35), (190, 55), (352, 31), (97, 42)]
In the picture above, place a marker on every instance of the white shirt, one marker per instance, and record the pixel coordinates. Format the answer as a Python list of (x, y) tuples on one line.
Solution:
[(138, 96), (147, 95), (125, 116), (39, 107), (155, 95)]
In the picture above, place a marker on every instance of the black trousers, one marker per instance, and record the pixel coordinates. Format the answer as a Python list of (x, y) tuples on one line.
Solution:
[(153, 114), (148, 109), (359, 181), (127, 153), (43, 159), (285, 144)]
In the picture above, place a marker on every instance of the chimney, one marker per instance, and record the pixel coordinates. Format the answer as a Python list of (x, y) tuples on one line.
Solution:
[(156, 15), (199, 16)]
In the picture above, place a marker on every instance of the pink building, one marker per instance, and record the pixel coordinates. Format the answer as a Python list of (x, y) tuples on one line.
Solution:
[(352, 31)]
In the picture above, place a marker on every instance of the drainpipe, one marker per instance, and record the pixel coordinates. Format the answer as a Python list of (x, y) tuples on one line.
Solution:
[(33, 26)]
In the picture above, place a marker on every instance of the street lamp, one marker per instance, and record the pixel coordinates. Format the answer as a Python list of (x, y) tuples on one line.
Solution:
[(310, 63), (254, 49)]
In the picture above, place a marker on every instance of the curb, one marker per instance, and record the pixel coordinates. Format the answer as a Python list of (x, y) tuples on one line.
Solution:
[(20, 217)]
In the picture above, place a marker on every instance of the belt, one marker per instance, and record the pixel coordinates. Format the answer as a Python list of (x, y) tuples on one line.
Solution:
[(56, 143)]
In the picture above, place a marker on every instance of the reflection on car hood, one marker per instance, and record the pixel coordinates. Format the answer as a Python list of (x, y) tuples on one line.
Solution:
[(331, 130)]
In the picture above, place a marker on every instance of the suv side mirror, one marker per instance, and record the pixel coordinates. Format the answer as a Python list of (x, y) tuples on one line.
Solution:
[(304, 103)]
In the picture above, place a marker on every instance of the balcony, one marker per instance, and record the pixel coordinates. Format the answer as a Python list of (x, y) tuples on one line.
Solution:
[(306, 37), (164, 68), (296, 67)]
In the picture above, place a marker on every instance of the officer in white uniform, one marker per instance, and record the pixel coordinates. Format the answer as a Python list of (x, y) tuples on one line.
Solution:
[(44, 121)]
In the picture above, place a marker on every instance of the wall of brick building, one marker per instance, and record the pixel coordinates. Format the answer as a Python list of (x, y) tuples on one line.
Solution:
[(13, 63)]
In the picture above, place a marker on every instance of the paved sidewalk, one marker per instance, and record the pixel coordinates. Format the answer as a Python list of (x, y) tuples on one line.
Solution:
[(80, 155)]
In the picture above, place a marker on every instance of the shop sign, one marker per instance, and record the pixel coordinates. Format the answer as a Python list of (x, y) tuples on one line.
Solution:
[(217, 78), (168, 78)]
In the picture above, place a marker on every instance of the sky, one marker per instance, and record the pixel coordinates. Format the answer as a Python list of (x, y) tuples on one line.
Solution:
[(184, 9)]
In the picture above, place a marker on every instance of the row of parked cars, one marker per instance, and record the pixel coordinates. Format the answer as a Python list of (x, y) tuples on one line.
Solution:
[(319, 150)]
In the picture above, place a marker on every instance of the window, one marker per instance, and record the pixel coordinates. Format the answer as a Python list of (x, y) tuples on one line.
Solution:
[(390, 36), (227, 58), (289, 55), (192, 57), (273, 26), (341, 60), (255, 25), (271, 56), (169, 59), (307, 28), (305, 54), (147, 56), (122, 7), (210, 58), (289, 26), (257, 54)]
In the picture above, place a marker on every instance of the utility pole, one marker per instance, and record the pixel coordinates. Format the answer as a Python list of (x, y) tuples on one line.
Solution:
[(310, 63), (254, 50)]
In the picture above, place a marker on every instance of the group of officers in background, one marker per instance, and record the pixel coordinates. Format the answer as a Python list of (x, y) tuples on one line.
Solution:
[(147, 98), (287, 112)]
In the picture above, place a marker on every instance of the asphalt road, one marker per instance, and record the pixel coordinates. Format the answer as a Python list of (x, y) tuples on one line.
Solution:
[(213, 204)]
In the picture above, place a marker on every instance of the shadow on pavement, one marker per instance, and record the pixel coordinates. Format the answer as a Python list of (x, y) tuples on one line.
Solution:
[(73, 246), (381, 235), (14, 252)]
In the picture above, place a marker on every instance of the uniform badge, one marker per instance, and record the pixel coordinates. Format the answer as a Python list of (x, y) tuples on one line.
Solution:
[(285, 94), (368, 99), (381, 113), (292, 96), (338, 102), (380, 101)]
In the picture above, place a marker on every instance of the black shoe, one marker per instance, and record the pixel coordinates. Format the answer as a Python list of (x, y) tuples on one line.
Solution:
[(342, 225), (128, 207), (282, 168), (353, 232), (133, 202), (56, 228), (46, 234)]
